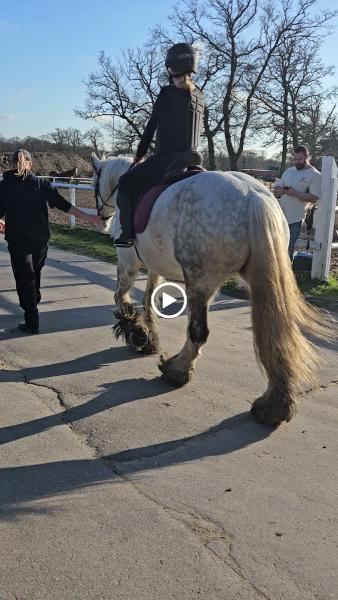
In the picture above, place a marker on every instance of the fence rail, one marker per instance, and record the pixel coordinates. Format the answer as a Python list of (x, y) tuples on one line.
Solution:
[(324, 217), (72, 187)]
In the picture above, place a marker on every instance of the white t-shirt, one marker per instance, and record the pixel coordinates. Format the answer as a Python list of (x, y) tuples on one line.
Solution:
[(304, 180)]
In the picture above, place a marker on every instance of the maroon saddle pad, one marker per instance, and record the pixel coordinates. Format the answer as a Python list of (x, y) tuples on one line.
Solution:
[(148, 199)]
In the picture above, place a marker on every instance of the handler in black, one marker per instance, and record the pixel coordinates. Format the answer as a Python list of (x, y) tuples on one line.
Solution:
[(23, 202), (177, 118)]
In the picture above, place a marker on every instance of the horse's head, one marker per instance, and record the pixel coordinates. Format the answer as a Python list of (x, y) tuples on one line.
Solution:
[(106, 176)]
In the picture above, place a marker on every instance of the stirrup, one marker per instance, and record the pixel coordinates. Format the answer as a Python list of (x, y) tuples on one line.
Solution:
[(121, 243)]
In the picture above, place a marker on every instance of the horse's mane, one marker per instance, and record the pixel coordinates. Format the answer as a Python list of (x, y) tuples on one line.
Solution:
[(112, 169)]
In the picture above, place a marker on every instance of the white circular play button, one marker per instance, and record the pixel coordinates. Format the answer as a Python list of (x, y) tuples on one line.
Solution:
[(169, 300)]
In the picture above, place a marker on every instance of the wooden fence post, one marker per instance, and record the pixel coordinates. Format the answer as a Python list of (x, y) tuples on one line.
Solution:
[(324, 220)]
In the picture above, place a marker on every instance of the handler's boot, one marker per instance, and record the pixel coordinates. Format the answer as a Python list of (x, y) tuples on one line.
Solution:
[(31, 324)]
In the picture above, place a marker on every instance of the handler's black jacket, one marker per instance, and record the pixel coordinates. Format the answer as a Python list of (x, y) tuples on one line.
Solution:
[(23, 202), (177, 117)]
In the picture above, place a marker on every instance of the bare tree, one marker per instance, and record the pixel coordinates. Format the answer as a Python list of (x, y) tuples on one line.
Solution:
[(318, 126), (125, 90), (68, 139), (58, 136), (292, 84), (94, 136), (229, 27)]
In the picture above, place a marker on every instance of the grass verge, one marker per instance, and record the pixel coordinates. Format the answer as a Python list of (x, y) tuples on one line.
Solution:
[(99, 245), (323, 294), (83, 241)]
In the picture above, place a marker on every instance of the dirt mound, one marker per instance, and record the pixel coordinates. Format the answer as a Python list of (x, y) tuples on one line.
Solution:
[(45, 162)]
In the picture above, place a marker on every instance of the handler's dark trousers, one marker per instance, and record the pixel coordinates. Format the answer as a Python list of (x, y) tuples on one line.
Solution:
[(27, 265), (134, 182)]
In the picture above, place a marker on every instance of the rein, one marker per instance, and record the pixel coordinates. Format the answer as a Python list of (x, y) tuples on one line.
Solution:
[(98, 195), (103, 203)]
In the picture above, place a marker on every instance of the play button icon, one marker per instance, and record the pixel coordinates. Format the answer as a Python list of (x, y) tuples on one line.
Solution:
[(169, 300)]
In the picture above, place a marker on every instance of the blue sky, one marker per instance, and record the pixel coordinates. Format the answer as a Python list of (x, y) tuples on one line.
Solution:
[(48, 48)]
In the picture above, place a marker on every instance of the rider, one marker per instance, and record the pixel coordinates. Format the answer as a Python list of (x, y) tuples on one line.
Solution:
[(177, 118)]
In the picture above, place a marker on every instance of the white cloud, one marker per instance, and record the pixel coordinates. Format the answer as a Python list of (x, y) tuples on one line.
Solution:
[(103, 119)]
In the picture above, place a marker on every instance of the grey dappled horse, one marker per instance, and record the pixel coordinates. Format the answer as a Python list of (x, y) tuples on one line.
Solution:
[(201, 230)]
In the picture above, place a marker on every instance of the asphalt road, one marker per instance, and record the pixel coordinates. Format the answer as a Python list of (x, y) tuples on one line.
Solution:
[(114, 486)]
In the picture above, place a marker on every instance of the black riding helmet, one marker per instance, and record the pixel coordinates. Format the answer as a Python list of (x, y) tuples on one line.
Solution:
[(182, 58)]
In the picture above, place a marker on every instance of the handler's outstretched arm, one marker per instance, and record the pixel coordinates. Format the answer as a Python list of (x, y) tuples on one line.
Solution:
[(80, 214)]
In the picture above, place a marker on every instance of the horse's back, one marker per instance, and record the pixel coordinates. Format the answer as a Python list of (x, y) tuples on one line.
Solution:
[(202, 220)]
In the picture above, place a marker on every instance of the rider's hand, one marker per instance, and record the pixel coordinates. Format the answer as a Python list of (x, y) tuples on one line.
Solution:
[(2, 227)]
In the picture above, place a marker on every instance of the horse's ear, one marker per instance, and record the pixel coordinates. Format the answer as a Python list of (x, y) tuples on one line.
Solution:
[(96, 163)]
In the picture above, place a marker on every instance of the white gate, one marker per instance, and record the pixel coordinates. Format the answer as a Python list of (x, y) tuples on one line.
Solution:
[(324, 220)]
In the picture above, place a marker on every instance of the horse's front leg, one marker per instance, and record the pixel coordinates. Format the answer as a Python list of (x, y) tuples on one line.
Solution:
[(127, 268), (129, 323), (150, 318), (178, 369)]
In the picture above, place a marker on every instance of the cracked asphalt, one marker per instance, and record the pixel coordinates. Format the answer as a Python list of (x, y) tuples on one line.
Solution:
[(114, 486)]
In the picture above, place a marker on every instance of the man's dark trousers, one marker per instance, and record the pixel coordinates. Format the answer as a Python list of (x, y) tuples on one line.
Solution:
[(27, 264)]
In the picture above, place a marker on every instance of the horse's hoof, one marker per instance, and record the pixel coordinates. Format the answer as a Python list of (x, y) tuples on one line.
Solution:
[(138, 340), (149, 349), (270, 412), (172, 375), (153, 344)]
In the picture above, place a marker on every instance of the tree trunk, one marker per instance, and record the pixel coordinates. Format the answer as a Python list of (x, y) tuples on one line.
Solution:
[(295, 132), (284, 150), (286, 124), (233, 160), (210, 140)]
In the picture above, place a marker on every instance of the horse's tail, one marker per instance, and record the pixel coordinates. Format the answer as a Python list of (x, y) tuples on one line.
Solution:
[(280, 315)]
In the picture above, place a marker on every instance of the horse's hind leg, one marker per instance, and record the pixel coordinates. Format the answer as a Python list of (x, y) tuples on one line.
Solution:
[(178, 369), (277, 341)]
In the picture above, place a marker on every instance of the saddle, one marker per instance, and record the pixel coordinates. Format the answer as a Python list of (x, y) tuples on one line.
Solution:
[(185, 165), (148, 198)]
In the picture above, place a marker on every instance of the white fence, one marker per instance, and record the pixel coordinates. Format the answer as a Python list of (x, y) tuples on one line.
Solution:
[(324, 218), (72, 187), (324, 221)]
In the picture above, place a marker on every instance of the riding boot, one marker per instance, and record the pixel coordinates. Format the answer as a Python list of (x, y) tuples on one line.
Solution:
[(126, 239)]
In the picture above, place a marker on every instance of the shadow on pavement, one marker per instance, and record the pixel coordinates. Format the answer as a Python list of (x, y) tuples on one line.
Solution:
[(82, 364), (21, 485), (67, 319), (114, 394)]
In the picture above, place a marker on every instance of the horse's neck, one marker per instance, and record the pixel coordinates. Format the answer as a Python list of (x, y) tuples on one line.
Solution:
[(113, 170), (122, 165)]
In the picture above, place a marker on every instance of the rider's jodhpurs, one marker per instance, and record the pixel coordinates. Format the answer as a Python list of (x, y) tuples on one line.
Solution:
[(134, 182)]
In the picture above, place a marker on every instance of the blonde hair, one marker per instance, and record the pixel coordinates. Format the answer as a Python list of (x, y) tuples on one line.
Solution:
[(186, 83), (22, 165)]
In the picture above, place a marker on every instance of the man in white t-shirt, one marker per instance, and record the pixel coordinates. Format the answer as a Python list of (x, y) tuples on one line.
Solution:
[(297, 189)]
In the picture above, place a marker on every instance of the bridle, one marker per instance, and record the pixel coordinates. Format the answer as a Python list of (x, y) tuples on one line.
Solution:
[(98, 196)]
